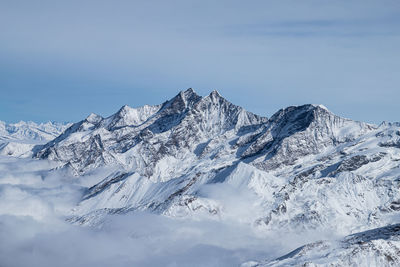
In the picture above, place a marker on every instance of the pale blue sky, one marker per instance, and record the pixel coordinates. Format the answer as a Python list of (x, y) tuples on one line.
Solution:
[(61, 60)]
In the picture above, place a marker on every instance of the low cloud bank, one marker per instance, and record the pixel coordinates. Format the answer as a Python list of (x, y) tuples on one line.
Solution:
[(33, 232)]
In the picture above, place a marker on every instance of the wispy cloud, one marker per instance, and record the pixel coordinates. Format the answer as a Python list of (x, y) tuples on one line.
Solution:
[(344, 28)]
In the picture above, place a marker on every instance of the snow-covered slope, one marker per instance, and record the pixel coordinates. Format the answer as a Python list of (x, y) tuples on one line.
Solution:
[(31, 131), (304, 170), (18, 139), (375, 247)]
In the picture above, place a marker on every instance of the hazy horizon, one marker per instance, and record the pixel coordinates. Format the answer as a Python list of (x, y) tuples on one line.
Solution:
[(62, 61), (203, 95)]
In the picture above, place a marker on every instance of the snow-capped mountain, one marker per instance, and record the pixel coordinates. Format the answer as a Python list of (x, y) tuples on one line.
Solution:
[(302, 170), (182, 129), (18, 139), (139, 139), (375, 247)]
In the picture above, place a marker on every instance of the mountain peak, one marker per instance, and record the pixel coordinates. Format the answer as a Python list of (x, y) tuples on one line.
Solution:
[(188, 93), (294, 111), (93, 118), (184, 99), (320, 106), (127, 115), (215, 96), (192, 121), (215, 93), (124, 109)]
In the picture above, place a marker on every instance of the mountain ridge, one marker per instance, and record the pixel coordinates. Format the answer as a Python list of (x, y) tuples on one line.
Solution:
[(176, 147), (300, 171), (18, 139)]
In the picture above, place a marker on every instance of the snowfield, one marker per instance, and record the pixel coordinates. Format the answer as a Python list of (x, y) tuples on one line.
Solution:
[(199, 181)]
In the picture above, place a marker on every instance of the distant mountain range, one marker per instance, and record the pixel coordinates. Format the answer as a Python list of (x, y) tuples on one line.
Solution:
[(306, 167), (18, 139)]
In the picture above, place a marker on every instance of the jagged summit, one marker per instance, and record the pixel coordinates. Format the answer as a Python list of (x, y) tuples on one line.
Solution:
[(189, 124), (124, 109), (307, 108), (308, 114), (93, 118), (188, 93), (128, 116), (320, 106), (184, 122), (184, 99), (298, 131), (215, 93)]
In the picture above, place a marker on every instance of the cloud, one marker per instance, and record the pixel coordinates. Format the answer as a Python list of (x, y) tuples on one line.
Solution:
[(34, 203), (322, 28)]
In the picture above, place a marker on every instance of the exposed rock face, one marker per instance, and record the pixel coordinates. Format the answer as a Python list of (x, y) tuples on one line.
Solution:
[(295, 132)]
